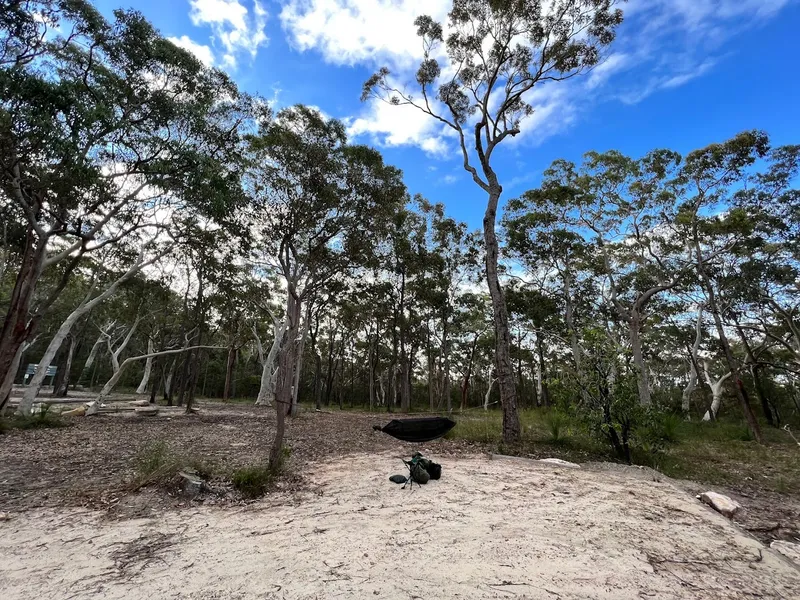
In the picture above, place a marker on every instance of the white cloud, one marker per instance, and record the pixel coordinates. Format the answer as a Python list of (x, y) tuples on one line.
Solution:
[(235, 28), (613, 64), (664, 44), (388, 125), (202, 52), (449, 179), (357, 31)]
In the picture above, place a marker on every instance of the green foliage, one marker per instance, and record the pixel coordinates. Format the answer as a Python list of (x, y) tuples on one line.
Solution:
[(556, 423), (253, 481)]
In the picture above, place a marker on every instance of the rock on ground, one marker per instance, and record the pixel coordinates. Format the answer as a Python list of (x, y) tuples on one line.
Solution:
[(788, 549), (486, 530), (721, 504)]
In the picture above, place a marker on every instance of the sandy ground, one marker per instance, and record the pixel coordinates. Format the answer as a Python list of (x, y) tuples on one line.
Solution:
[(487, 529)]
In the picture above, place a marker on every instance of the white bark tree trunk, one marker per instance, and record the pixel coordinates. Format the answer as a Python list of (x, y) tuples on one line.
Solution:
[(716, 392), (86, 305), (269, 371), (488, 394), (148, 368), (168, 380), (115, 354), (109, 386), (95, 348)]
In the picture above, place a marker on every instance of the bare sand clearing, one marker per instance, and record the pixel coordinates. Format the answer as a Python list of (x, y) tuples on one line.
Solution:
[(487, 529)]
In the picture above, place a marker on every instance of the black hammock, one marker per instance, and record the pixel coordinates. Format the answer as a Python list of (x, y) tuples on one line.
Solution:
[(417, 430)]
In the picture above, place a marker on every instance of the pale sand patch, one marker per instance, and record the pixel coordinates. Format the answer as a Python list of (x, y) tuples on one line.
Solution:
[(487, 529)]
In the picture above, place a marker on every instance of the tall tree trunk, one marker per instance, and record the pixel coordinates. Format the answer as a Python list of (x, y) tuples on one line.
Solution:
[(269, 371), (446, 367), (752, 365), (158, 366), (17, 327), (488, 393), (468, 374), (642, 378), (405, 389), (544, 391), (101, 339), (226, 393), (299, 362), (691, 385), (372, 371), (61, 389), (168, 381), (733, 367), (148, 368), (505, 370), (283, 395)]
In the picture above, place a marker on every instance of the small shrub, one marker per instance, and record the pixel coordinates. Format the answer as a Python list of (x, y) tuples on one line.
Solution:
[(743, 434), (670, 425), (556, 422), (252, 481), (154, 463)]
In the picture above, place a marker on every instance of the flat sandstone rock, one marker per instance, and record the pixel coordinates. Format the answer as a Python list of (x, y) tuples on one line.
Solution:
[(721, 504)]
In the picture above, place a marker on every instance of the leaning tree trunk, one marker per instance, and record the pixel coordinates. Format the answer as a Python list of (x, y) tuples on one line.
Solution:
[(505, 368), (148, 368), (101, 340), (111, 383)]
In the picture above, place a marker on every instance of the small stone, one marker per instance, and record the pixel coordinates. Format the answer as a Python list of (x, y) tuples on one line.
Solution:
[(721, 504), (561, 463), (789, 549), (4, 516)]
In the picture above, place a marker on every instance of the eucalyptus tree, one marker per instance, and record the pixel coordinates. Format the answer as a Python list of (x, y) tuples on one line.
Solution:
[(709, 179), (312, 198), (479, 88), (103, 127)]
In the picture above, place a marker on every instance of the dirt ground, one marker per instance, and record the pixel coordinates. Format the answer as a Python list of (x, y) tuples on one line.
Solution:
[(487, 529), (90, 463)]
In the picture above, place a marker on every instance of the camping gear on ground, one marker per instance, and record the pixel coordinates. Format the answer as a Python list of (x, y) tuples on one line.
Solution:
[(420, 470), (417, 430)]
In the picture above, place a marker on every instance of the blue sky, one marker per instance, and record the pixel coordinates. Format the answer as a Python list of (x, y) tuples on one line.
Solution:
[(682, 74)]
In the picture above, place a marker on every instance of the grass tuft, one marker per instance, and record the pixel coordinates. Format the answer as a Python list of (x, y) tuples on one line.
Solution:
[(253, 481)]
